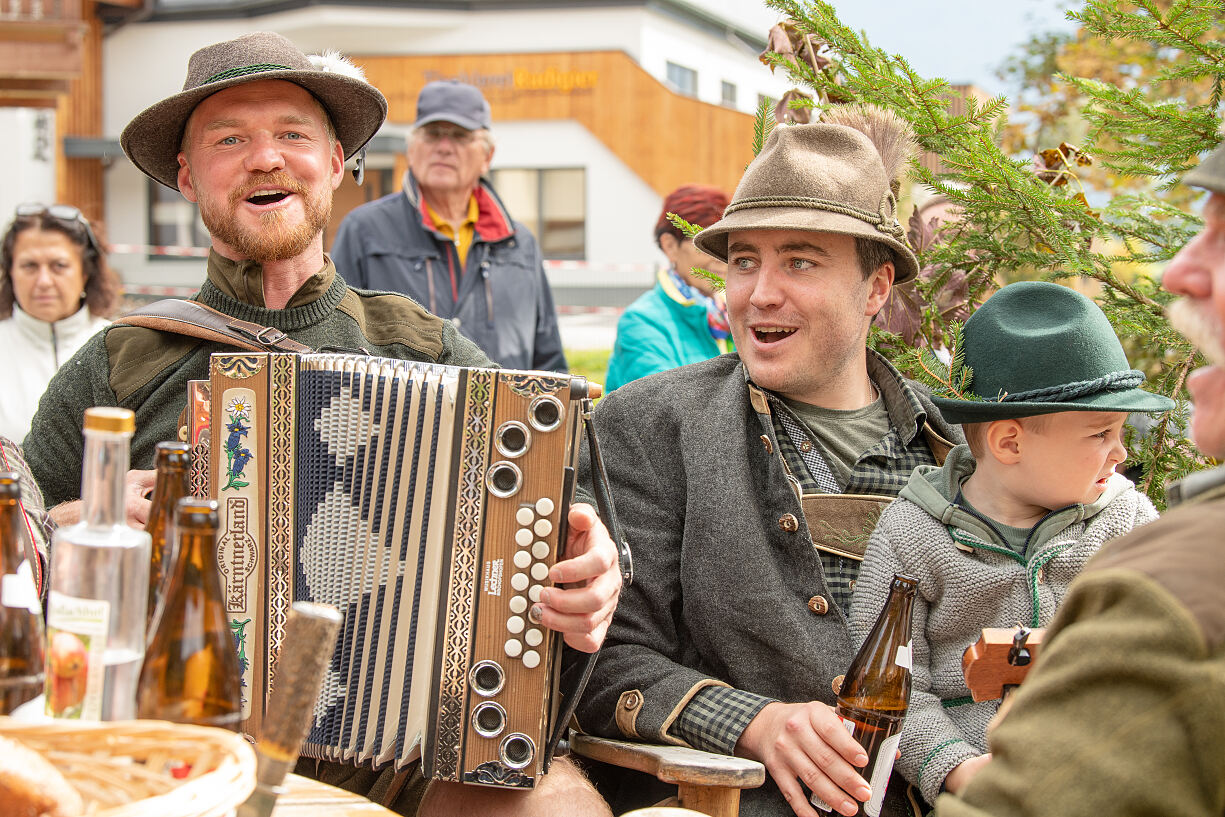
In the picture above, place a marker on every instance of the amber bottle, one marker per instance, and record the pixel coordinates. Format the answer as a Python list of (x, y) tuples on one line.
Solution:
[(190, 674), (21, 615), (172, 463), (875, 692)]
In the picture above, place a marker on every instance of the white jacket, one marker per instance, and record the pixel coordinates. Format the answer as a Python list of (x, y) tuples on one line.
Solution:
[(35, 350)]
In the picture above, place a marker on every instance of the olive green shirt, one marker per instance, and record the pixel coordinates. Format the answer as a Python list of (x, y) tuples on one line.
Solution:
[(843, 436)]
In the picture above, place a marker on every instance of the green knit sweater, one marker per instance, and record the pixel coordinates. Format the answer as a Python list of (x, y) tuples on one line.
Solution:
[(147, 371)]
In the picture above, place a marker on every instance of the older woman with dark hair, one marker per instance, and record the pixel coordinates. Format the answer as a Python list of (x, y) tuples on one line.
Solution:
[(683, 319), (55, 289)]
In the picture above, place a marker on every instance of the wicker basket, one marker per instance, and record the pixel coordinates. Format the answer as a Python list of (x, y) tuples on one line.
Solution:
[(145, 768)]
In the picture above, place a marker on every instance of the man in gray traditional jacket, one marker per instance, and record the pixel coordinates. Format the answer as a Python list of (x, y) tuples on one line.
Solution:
[(748, 484)]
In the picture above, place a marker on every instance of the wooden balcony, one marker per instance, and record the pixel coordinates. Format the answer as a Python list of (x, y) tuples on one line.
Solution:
[(42, 49)]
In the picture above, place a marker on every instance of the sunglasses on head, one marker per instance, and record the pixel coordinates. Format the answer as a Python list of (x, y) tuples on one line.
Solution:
[(65, 213)]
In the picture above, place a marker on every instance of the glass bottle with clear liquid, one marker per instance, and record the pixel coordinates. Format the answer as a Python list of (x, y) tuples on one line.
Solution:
[(875, 693), (21, 613), (96, 609)]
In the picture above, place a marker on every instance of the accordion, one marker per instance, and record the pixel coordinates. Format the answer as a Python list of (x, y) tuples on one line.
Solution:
[(426, 503)]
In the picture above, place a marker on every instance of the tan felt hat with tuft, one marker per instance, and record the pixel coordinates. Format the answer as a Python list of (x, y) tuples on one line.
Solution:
[(819, 177), (356, 107)]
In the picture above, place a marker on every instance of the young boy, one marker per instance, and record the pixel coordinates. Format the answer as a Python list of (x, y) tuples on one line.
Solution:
[(997, 533)]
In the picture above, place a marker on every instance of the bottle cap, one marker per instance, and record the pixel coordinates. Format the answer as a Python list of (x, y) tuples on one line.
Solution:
[(194, 511), (112, 419)]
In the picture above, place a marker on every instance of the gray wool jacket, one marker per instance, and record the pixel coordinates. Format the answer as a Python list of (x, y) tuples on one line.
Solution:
[(970, 579), (721, 583)]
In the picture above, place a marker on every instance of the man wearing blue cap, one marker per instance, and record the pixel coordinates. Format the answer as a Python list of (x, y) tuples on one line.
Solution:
[(447, 241)]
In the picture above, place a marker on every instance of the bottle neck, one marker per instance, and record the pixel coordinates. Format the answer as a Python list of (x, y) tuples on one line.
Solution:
[(10, 536), (103, 478)]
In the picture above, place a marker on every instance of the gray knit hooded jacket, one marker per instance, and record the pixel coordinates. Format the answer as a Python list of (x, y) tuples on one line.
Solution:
[(969, 579)]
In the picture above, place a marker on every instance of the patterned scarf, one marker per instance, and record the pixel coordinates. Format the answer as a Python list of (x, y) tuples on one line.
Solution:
[(685, 294)]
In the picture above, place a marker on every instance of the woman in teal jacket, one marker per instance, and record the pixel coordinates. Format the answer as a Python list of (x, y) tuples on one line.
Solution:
[(682, 319)]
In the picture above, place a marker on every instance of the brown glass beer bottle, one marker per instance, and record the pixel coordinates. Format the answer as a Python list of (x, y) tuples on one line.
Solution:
[(876, 690), (190, 674), (21, 615), (173, 465)]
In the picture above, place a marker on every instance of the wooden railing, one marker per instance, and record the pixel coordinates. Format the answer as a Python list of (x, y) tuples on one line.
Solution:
[(40, 11)]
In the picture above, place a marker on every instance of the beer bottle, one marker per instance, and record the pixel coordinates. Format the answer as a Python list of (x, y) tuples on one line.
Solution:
[(876, 691), (21, 615), (173, 464), (99, 585), (190, 674)]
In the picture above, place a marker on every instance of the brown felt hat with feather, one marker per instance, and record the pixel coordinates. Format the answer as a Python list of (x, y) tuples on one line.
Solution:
[(837, 176), (356, 107)]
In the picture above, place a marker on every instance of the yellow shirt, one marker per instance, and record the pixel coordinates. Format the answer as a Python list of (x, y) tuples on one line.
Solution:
[(467, 230)]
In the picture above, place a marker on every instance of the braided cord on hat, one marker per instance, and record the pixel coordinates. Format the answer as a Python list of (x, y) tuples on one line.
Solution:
[(877, 220), (1115, 381), (258, 68)]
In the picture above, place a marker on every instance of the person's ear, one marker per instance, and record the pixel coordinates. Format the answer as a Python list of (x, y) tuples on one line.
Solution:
[(1004, 441), (184, 179), (880, 284)]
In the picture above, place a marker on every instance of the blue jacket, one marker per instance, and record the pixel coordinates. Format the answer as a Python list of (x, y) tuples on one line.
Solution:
[(504, 303), (658, 333)]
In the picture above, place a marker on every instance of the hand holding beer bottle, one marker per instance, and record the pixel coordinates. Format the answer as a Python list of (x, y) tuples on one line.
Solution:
[(875, 693)]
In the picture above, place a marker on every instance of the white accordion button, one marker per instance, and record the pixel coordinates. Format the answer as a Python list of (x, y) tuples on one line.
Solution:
[(534, 593), (543, 527), (517, 605), (519, 582), (515, 624), (513, 647), (544, 506), (540, 571), (523, 537), (540, 550), (522, 558), (533, 637), (524, 516), (531, 659)]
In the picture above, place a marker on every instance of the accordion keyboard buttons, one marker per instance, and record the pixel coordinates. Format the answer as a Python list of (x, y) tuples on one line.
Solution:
[(540, 550), (515, 624), (533, 637), (543, 527), (518, 604), (524, 516), (531, 659), (514, 647), (544, 506), (519, 582), (523, 537), (540, 571), (522, 559), (534, 593)]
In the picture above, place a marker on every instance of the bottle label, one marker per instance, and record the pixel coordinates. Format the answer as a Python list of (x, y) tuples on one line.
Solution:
[(880, 775), (77, 631), (17, 590), (905, 656)]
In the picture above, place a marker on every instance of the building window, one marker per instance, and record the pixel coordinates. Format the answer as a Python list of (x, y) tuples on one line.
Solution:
[(684, 80), (729, 94), (173, 222), (552, 203)]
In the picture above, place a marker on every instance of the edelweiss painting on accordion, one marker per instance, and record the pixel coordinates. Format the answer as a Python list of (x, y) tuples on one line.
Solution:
[(427, 504)]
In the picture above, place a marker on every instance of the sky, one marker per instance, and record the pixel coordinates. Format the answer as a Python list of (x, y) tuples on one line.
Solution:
[(959, 40)]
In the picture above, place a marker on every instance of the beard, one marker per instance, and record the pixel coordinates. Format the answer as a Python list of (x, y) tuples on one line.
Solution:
[(1197, 323), (276, 239)]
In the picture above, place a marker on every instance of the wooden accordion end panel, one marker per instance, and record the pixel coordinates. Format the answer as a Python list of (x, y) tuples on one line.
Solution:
[(427, 504), (999, 660)]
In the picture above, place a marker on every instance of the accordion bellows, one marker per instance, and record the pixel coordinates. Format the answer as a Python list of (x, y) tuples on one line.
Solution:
[(427, 504)]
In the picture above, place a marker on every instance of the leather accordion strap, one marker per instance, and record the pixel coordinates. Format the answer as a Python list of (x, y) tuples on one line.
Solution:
[(199, 321)]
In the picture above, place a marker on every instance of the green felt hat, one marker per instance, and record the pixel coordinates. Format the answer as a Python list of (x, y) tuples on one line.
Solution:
[(1038, 348)]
